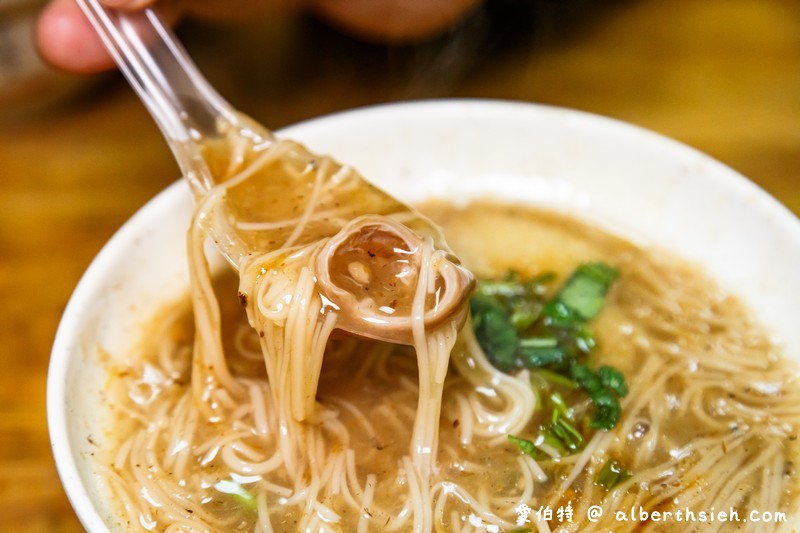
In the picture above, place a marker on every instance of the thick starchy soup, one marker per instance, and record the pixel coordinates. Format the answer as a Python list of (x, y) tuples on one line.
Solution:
[(596, 385)]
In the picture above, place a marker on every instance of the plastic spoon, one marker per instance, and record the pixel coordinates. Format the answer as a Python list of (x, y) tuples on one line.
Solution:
[(265, 194)]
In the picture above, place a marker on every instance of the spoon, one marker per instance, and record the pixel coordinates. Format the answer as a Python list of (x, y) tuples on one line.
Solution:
[(257, 194)]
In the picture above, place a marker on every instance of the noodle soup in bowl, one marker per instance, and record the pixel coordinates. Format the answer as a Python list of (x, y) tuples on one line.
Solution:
[(700, 318)]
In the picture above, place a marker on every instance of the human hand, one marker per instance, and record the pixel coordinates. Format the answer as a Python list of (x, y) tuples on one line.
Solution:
[(67, 40)]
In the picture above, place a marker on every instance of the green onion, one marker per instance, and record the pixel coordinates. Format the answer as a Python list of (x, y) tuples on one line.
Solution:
[(518, 327), (612, 474), (559, 406), (561, 426), (501, 288), (524, 312), (540, 342), (552, 441), (569, 436), (526, 446), (555, 378), (241, 495)]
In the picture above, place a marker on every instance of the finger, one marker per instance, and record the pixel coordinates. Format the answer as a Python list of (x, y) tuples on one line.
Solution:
[(67, 40)]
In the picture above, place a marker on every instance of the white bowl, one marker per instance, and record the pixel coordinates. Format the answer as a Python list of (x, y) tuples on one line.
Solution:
[(633, 182)]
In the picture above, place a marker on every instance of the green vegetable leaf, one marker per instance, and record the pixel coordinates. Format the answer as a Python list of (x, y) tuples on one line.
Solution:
[(560, 315), (585, 291), (606, 405), (494, 331), (544, 356), (614, 380), (587, 379), (606, 409), (518, 327)]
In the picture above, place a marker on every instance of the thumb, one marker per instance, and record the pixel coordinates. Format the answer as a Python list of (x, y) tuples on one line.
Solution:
[(67, 41)]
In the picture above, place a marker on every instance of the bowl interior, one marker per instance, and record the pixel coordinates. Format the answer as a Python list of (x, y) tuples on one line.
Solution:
[(632, 182)]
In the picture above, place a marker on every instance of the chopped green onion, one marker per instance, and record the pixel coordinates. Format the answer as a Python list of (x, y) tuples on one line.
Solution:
[(551, 441), (559, 406), (241, 495), (518, 327), (539, 342), (524, 312), (569, 436), (560, 438), (561, 425), (612, 474), (501, 288), (526, 446), (556, 378)]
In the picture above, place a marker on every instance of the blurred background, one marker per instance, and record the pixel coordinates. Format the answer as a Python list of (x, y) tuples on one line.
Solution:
[(78, 156)]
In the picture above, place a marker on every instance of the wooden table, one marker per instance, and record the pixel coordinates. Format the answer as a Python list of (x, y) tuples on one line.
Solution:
[(721, 75)]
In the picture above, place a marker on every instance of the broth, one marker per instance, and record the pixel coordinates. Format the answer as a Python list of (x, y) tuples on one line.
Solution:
[(709, 423)]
